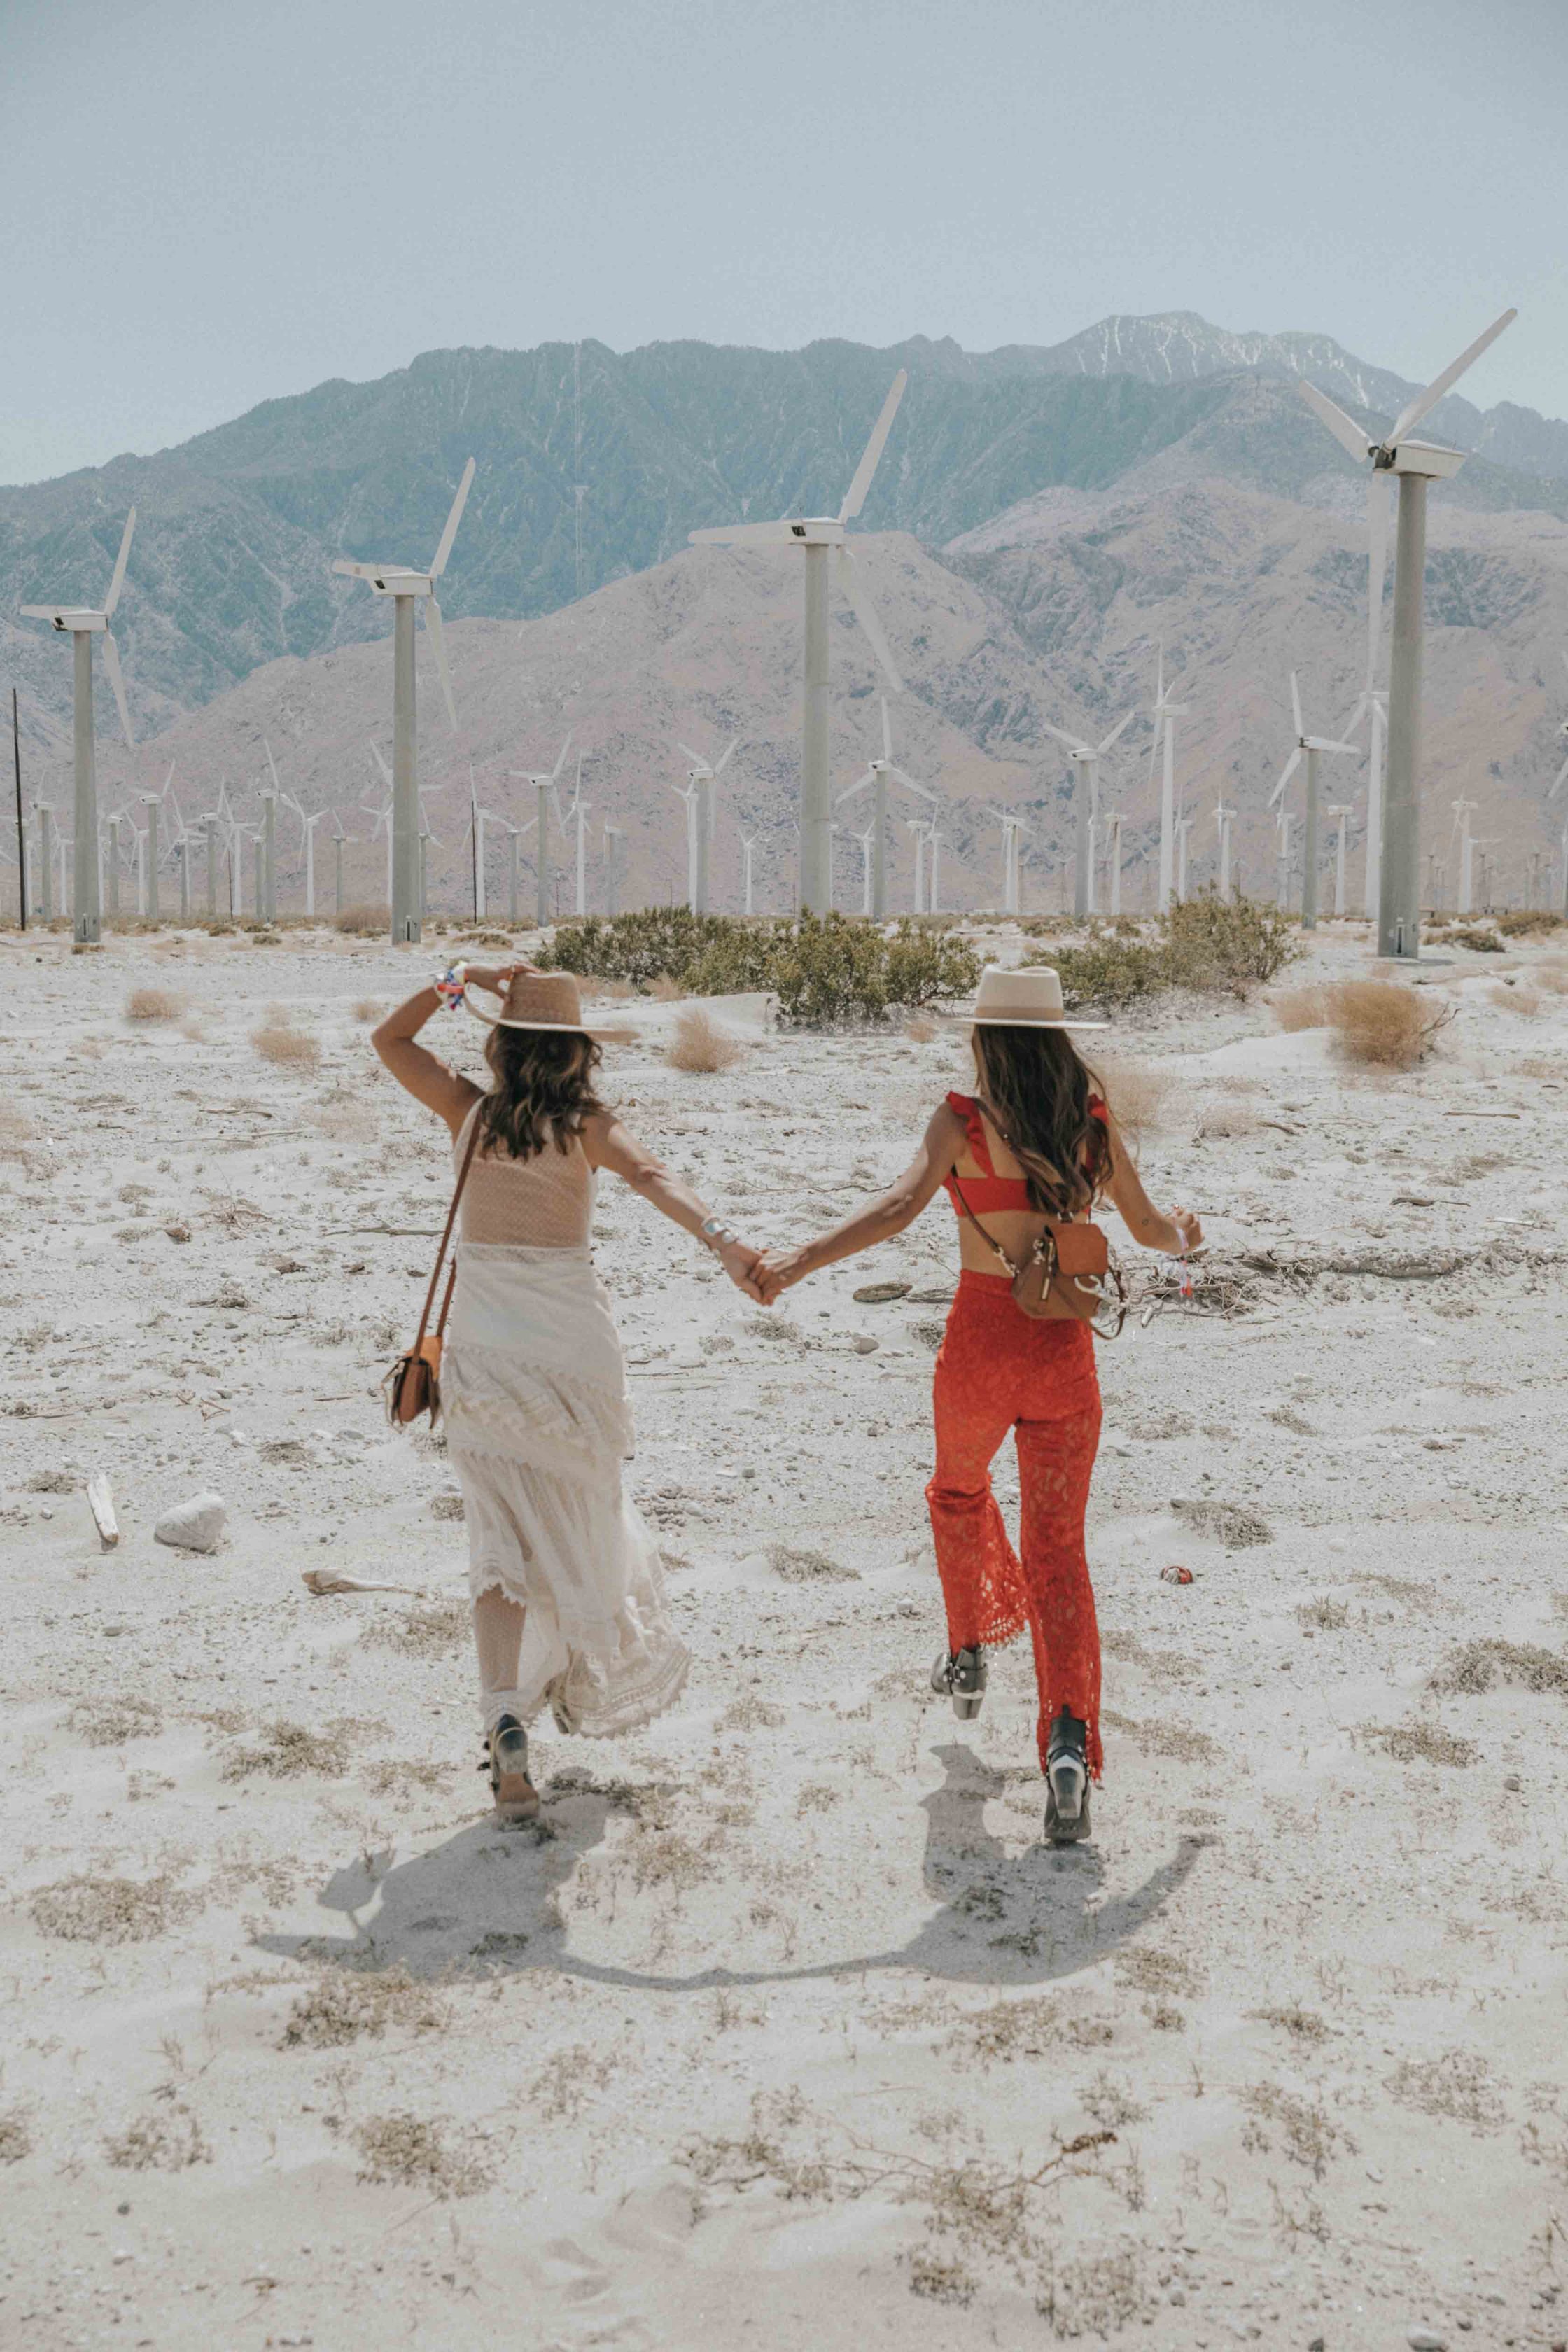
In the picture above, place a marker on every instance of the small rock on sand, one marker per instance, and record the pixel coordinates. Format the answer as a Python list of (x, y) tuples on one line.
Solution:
[(196, 1526)]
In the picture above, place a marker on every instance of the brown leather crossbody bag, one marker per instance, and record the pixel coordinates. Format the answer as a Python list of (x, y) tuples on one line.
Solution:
[(1068, 1272), (413, 1386)]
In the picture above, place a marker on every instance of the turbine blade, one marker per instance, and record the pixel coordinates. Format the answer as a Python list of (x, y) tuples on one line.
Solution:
[(358, 571), (696, 757), (1073, 742), (381, 763), (561, 762), (909, 784), (855, 496), (745, 534), (453, 519), (438, 647), (1296, 704), (1557, 787), (888, 729), (1425, 402), (860, 786), (1291, 764), (1378, 495), (725, 760), (865, 613), (111, 664), (1116, 730), (268, 749), (117, 583), (1352, 438)]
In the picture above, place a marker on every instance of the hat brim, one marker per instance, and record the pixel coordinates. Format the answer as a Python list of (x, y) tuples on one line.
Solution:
[(1019, 1021)]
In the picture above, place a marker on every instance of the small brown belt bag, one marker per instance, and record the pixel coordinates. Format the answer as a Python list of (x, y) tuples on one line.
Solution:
[(1069, 1272), (413, 1386)]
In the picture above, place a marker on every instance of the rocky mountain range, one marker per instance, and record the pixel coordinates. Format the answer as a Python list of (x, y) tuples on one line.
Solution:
[(231, 566)]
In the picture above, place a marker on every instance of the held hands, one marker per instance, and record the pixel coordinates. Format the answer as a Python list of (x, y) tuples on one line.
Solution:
[(740, 1262), (776, 1271)]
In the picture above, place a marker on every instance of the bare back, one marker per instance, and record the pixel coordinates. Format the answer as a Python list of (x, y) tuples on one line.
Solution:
[(545, 1202)]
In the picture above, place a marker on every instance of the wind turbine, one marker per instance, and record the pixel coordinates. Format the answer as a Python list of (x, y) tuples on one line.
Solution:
[(308, 842), (700, 778), (1313, 747), (1413, 464), (613, 834), (581, 810), (817, 535), (1221, 817), (1562, 770), (1012, 826), (407, 588), (545, 784), (1164, 713), (933, 895), (917, 827), (1462, 811), (383, 817), (1113, 857), (1341, 813), (1282, 893), (81, 624), (748, 842), (1085, 759), (1183, 826), (877, 774)]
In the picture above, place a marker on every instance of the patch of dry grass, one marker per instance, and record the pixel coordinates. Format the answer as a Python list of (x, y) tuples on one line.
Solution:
[(1308, 2136), (431, 1629), (1137, 1093), (665, 989), (1553, 976), (284, 1751), (367, 1009), (1323, 1615), (164, 2140), (1147, 1968), (364, 922), (345, 2005), (1298, 1008), (1301, 2024), (797, 1566), (412, 2152), (1235, 1525), (285, 1047), (15, 2136), (153, 1004), (111, 1722), (700, 1046), (921, 1030), (1459, 2084), (92, 1908), (1418, 1743), (1480, 1665)]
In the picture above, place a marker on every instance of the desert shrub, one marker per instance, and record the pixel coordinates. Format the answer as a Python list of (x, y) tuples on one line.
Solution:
[(1383, 1023), (1136, 1092), (1300, 1008), (153, 1004), (367, 1009), (1225, 946), (363, 922), (291, 1048), (1526, 921), (700, 1046), (821, 968), (1510, 999), (1474, 936), (1552, 974), (1111, 973)]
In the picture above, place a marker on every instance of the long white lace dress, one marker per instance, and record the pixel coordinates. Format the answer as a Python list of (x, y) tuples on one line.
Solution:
[(538, 1423)]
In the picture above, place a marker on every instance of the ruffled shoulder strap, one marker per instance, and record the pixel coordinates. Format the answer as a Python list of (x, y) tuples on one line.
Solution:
[(1097, 1109), (968, 1110)]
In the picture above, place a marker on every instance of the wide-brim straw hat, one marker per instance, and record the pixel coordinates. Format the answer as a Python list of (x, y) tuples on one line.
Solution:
[(541, 1000), (1030, 998)]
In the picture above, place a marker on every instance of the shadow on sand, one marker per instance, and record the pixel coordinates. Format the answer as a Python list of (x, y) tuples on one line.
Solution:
[(482, 1904)]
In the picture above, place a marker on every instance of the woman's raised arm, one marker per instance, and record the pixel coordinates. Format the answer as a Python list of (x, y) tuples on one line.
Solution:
[(421, 1073), (881, 1219)]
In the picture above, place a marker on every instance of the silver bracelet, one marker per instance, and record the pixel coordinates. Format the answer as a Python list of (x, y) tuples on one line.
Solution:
[(716, 1233)]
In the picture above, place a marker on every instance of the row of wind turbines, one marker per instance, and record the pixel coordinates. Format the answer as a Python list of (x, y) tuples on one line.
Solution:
[(1392, 856)]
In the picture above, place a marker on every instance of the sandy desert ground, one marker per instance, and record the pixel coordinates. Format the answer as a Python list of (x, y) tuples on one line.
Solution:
[(783, 2030)]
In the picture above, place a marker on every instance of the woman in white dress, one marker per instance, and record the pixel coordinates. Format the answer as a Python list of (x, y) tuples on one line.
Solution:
[(564, 1574)]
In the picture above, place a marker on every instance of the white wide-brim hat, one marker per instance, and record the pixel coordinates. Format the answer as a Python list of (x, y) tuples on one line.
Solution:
[(1028, 999), (542, 1000)]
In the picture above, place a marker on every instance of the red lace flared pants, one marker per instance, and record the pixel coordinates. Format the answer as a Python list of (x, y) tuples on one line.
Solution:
[(1000, 1371)]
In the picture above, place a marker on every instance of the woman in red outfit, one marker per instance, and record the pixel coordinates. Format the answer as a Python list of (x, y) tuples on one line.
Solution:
[(1035, 1141)]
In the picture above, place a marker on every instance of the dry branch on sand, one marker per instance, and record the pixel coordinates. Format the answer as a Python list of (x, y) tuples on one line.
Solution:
[(701, 1045)]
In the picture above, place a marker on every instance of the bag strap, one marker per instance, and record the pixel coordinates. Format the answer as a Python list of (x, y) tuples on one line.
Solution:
[(445, 1237), (988, 1238)]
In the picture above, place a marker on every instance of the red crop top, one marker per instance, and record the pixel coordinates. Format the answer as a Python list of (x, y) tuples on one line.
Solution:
[(990, 1191)]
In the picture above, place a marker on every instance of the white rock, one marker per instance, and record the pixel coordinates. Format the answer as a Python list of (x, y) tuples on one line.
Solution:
[(196, 1526), (1425, 2339)]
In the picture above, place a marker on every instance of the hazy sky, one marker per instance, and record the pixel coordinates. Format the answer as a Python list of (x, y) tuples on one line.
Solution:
[(208, 205)]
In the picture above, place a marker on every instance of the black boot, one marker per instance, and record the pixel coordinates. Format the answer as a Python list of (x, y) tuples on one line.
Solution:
[(506, 1762), (962, 1674), (1067, 1780)]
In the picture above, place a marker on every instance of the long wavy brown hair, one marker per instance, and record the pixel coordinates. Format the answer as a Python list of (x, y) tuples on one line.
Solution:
[(543, 1089), (1037, 1086)]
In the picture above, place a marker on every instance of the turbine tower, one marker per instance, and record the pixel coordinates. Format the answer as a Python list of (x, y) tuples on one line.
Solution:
[(407, 588), (1341, 813), (700, 778), (1312, 747), (545, 785), (1413, 464), (817, 535), (1165, 714), (876, 775), (1462, 813), (1221, 817), (1113, 857), (1012, 826), (1085, 759), (81, 625)]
